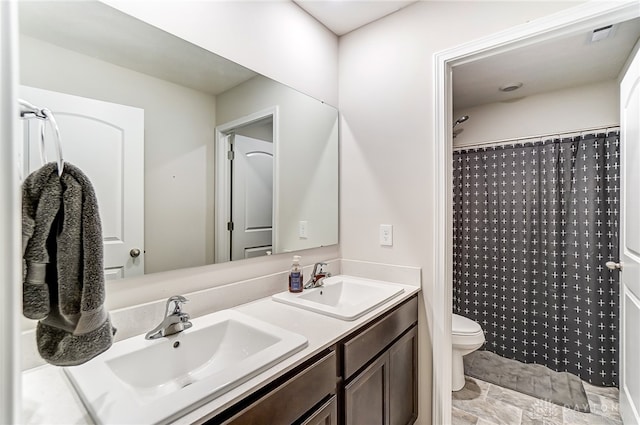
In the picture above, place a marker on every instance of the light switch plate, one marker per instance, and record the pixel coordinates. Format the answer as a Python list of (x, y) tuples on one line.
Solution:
[(386, 235), (303, 229)]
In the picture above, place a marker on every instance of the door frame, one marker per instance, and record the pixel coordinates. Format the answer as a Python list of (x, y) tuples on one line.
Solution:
[(10, 216), (223, 179), (581, 18)]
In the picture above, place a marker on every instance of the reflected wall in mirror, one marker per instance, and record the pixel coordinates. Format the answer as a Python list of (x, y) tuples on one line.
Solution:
[(85, 59)]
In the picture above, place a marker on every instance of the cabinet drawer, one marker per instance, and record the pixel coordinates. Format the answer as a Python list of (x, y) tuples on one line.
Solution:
[(365, 346), (294, 398)]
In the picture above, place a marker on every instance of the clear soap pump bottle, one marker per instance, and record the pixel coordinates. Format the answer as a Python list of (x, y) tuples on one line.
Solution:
[(295, 275)]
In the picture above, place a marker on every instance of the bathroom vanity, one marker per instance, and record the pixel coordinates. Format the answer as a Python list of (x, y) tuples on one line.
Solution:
[(350, 372), (368, 377)]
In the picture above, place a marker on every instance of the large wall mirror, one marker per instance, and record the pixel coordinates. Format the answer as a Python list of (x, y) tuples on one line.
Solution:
[(194, 158)]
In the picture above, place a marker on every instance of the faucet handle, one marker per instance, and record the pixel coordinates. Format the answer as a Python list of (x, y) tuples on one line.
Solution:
[(322, 270), (178, 300), (317, 268)]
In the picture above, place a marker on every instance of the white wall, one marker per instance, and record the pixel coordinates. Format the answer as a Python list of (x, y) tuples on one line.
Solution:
[(274, 38), (307, 158), (561, 111), (386, 100), (261, 131), (178, 155)]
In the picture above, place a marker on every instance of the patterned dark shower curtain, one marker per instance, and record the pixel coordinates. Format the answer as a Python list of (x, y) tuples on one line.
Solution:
[(534, 224)]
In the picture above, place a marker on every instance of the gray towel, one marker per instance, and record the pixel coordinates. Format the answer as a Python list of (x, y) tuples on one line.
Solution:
[(63, 258)]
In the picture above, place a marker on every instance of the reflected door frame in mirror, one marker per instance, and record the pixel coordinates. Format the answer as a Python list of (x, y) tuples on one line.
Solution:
[(223, 176)]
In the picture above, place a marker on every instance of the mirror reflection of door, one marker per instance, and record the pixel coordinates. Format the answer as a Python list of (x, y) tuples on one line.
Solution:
[(251, 195), (106, 141)]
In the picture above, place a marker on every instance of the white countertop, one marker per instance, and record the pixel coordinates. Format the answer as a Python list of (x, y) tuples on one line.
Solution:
[(48, 396)]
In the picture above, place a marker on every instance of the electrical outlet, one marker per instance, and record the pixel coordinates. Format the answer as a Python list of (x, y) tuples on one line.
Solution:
[(386, 235), (303, 229)]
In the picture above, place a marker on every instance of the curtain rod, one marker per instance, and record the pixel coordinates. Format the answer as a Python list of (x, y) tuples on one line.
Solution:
[(538, 138)]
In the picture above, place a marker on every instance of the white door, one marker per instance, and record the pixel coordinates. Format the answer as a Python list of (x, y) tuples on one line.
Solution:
[(251, 198), (630, 245), (106, 141)]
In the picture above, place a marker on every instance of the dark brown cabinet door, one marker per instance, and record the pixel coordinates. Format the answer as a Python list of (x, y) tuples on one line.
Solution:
[(327, 414), (365, 398), (403, 380), (386, 392)]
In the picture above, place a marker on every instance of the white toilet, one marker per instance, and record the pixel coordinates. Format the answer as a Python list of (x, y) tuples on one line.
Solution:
[(466, 337)]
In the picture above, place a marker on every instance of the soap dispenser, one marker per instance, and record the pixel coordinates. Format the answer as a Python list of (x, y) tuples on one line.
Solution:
[(295, 276)]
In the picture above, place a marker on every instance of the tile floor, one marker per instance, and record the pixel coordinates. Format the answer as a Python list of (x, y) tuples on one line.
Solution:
[(482, 403)]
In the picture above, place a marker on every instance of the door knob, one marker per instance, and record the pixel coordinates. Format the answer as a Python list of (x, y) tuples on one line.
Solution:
[(612, 265), (134, 253)]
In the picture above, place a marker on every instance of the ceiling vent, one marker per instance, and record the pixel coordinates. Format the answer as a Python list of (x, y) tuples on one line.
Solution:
[(601, 33)]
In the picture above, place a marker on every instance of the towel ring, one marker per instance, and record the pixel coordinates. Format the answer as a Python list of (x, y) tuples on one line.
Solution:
[(27, 111), (43, 151), (58, 139)]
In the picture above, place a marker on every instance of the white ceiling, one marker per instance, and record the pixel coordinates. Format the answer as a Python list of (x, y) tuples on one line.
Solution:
[(342, 17), (541, 67), (546, 66)]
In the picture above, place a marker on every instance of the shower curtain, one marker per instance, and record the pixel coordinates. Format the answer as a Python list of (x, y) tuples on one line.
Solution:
[(534, 224)]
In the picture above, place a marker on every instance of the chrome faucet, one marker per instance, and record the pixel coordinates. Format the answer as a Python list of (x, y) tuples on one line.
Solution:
[(318, 275), (175, 320)]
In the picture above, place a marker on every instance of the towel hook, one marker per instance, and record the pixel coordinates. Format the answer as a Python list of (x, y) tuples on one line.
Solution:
[(28, 110)]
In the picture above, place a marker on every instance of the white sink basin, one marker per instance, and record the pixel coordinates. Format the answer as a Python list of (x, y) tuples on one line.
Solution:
[(141, 381), (343, 297)]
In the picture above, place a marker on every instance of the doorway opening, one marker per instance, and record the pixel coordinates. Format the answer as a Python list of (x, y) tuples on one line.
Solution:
[(582, 18), (246, 164)]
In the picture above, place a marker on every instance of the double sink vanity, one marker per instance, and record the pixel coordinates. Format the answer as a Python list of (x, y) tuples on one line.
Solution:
[(344, 352)]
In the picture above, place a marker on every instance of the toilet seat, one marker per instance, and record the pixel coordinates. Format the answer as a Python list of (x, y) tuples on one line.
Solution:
[(462, 326)]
